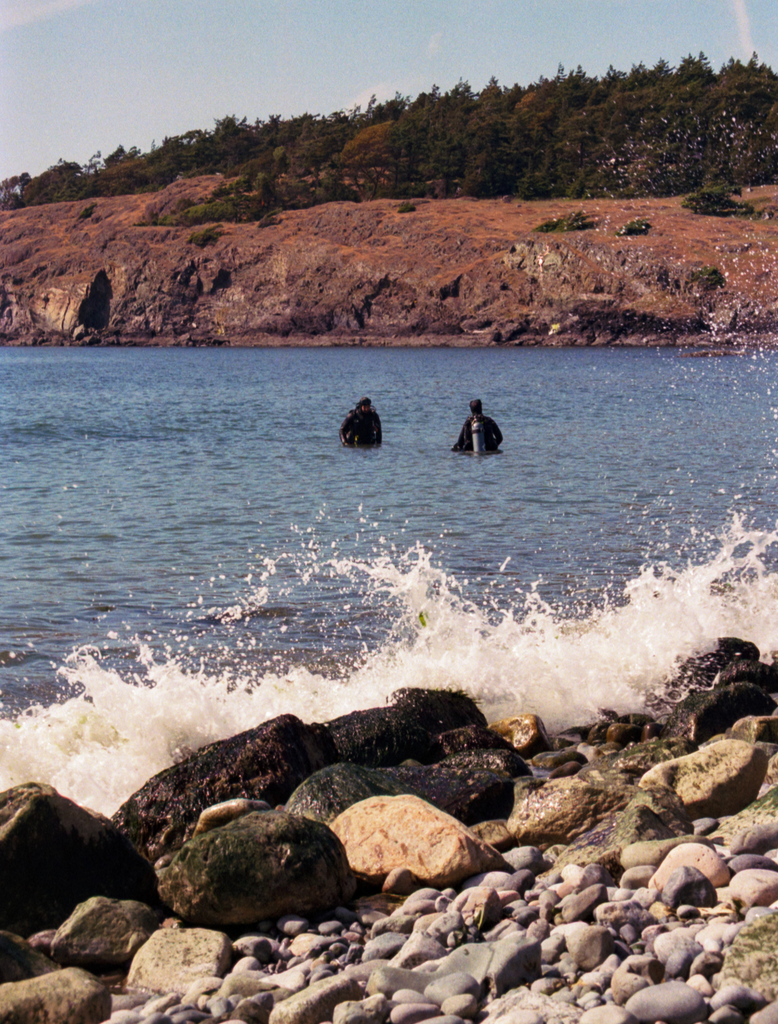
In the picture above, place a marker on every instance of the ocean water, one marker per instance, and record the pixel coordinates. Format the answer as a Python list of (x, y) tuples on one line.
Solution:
[(187, 551)]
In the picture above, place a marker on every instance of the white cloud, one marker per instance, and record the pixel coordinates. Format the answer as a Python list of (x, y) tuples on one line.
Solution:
[(434, 44), (21, 12), (743, 27)]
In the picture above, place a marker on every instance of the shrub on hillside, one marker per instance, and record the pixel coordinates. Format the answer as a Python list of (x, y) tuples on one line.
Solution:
[(717, 201), (578, 221), (639, 226), (709, 278)]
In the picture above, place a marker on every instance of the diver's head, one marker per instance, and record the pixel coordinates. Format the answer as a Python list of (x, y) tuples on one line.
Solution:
[(364, 403), (475, 407)]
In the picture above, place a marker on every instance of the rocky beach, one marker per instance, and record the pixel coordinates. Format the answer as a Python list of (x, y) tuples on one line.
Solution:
[(414, 862), (432, 272)]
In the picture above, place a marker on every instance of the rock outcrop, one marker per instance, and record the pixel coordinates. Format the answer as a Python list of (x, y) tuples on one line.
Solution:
[(451, 271)]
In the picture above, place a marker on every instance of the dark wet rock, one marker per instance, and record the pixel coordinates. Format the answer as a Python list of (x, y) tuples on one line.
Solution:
[(71, 996), (566, 770), (265, 763), (326, 793), (379, 737), (103, 933), (604, 843), (699, 671), (19, 960), (260, 866), (466, 794), (623, 733), (751, 959), (700, 716), (688, 885), (636, 761), (55, 854), (750, 671), (466, 738), (501, 762)]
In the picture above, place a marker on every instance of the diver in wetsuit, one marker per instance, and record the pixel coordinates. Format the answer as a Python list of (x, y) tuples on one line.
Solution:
[(492, 433), (362, 426)]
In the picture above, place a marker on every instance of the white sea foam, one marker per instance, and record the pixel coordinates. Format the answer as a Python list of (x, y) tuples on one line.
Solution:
[(511, 655)]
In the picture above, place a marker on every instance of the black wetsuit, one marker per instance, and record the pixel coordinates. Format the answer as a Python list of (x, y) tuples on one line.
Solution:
[(492, 435), (361, 428)]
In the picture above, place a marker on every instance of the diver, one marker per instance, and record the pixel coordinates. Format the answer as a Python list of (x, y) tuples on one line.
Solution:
[(362, 425), (479, 433)]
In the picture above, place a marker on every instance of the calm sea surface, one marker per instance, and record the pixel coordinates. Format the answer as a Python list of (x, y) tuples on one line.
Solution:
[(186, 549)]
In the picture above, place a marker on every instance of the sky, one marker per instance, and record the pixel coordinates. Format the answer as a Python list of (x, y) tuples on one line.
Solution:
[(78, 77)]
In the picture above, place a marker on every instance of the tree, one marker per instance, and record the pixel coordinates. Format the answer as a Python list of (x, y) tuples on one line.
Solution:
[(12, 191), (368, 159)]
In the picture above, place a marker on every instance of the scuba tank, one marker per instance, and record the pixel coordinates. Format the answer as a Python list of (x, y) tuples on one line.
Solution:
[(477, 428)]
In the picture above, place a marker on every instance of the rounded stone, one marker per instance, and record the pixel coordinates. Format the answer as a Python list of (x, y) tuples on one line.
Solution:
[(590, 946), (412, 1013), (755, 887), (672, 1002)]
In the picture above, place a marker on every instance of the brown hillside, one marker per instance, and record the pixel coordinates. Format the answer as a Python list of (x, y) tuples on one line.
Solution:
[(453, 271)]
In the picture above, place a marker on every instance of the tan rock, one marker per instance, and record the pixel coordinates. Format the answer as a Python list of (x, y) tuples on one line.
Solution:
[(317, 1002), (387, 832), (755, 887), (174, 958), (71, 996), (692, 855), (654, 851), (717, 780), (228, 810), (755, 729), (526, 733)]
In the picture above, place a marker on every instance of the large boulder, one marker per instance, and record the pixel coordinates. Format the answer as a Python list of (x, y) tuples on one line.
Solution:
[(560, 810), (635, 761), (700, 670), (55, 854), (763, 811), (262, 865), (502, 762), (407, 728), (265, 763), (471, 795), (718, 780), (326, 793), (752, 959), (468, 737), (755, 729), (103, 933), (604, 843), (65, 997), (19, 961), (385, 833), (701, 716)]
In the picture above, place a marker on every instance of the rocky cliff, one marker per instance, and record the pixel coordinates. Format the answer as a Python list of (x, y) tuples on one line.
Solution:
[(451, 271)]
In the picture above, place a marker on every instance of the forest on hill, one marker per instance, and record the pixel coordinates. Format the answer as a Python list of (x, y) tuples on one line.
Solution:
[(657, 131)]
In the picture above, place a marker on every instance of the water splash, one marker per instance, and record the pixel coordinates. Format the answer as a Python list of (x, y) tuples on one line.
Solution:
[(513, 652)]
